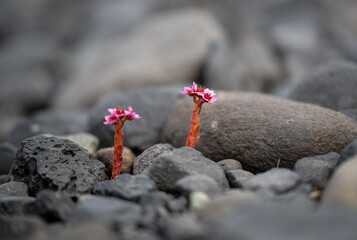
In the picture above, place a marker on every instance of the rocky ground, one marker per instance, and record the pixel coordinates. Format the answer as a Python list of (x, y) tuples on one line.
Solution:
[(277, 157)]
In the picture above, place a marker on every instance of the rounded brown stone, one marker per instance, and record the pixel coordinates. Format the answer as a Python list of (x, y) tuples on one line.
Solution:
[(105, 155), (229, 164), (258, 129)]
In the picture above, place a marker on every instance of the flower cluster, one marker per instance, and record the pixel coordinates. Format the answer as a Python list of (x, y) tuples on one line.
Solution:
[(200, 96), (117, 114), (200, 93)]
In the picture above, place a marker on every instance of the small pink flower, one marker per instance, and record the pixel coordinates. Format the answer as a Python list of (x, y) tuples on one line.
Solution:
[(200, 96), (130, 115), (201, 93), (118, 117), (112, 118), (190, 90), (120, 114)]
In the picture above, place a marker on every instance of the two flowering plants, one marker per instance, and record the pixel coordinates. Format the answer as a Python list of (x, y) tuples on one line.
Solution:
[(118, 116)]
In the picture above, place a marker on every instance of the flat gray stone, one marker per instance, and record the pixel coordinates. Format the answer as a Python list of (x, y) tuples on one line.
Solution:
[(197, 183), (277, 180), (168, 168)]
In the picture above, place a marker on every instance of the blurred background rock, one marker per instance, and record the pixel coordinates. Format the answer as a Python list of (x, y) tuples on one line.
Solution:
[(64, 55)]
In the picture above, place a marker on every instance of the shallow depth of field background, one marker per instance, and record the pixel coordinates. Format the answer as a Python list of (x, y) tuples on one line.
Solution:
[(64, 54)]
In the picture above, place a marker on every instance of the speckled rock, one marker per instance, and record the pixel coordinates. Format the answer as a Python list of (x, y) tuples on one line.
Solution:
[(261, 129), (13, 189), (342, 187), (106, 155), (150, 155), (229, 164), (57, 164), (168, 168)]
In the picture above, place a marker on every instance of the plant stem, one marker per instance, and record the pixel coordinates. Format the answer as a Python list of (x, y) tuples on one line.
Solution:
[(193, 137), (118, 149)]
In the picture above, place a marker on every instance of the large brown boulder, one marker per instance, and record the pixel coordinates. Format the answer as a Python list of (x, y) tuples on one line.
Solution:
[(258, 129)]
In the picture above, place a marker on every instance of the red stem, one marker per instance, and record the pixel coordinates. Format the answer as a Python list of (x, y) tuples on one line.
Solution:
[(118, 149), (193, 137)]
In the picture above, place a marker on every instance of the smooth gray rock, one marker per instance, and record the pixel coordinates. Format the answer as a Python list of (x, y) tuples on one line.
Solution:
[(236, 177), (277, 180), (14, 205), (225, 203), (184, 227), (168, 168), (126, 186), (197, 183), (13, 189), (178, 205), (7, 157), (52, 206), (349, 151), (107, 210), (146, 158), (248, 64), (23, 227), (268, 221), (85, 140), (296, 198), (56, 164), (84, 231), (56, 122), (157, 203), (352, 113), (331, 86), (5, 178), (317, 170), (148, 103), (169, 48)]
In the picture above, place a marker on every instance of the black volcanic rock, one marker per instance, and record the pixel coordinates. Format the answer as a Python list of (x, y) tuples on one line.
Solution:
[(56, 164)]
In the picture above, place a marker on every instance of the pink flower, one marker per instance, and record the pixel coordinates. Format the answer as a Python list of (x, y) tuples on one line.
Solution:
[(201, 93), (112, 118), (130, 115), (190, 90), (120, 114)]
